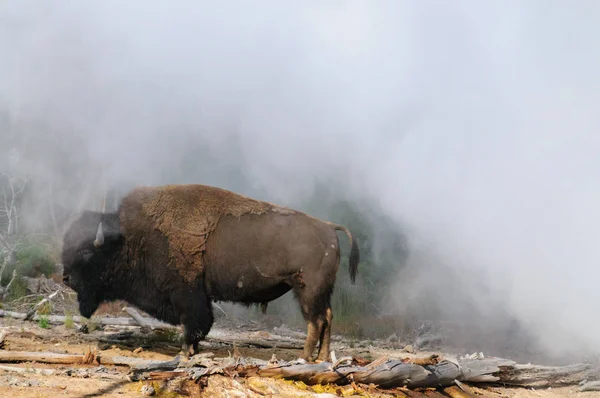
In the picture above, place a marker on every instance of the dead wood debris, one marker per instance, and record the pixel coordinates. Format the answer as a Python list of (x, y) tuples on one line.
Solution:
[(60, 319), (383, 373), (138, 318), (32, 311), (589, 386), (409, 374), (260, 342)]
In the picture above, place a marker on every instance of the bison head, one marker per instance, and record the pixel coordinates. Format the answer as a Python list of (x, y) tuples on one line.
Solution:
[(90, 245)]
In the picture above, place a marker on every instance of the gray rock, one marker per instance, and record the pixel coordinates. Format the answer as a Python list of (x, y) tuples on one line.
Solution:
[(147, 390)]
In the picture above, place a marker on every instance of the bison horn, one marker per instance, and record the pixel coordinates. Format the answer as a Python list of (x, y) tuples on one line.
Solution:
[(99, 236)]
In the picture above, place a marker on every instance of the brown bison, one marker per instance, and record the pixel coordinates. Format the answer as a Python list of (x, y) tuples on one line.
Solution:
[(171, 250)]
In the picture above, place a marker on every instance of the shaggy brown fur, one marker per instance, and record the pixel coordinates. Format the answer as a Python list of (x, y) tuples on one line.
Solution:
[(186, 215), (172, 250)]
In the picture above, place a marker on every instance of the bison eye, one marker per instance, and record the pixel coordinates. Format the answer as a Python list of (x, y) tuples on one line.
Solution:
[(86, 254)]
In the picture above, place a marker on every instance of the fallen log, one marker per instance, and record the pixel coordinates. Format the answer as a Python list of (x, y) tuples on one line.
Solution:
[(60, 319), (41, 357), (99, 372), (545, 376), (166, 375), (389, 374), (155, 324), (396, 373), (87, 358), (260, 343), (590, 386), (143, 322), (15, 369)]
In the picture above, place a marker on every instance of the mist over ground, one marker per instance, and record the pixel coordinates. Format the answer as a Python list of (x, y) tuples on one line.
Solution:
[(470, 126)]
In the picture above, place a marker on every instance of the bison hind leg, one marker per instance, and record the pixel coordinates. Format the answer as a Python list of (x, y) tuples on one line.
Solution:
[(325, 336), (313, 293)]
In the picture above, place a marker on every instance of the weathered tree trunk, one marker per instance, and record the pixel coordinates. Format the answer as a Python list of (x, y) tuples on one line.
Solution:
[(15, 369), (390, 374), (590, 386), (143, 322), (60, 319), (395, 373), (88, 358), (43, 357)]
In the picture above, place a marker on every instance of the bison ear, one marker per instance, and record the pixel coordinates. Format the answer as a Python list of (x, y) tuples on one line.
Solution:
[(99, 236)]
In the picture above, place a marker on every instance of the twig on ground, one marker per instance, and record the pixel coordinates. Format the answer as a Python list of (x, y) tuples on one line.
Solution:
[(143, 322), (31, 312), (7, 288), (221, 309)]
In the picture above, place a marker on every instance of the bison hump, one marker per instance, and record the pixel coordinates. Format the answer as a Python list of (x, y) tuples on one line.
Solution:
[(185, 215)]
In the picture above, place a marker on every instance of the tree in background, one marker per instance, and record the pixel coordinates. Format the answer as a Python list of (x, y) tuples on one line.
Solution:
[(43, 185)]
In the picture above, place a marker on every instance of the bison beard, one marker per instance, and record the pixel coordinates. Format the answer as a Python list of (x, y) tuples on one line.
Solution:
[(172, 250)]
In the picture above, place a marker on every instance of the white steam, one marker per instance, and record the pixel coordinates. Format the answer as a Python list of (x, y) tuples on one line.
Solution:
[(474, 123)]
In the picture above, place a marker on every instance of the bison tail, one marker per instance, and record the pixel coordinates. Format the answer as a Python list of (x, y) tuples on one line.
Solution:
[(354, 252)]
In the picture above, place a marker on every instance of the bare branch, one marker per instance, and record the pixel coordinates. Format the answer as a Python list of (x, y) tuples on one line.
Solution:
[(4, 242), (38, 305), (7, 289)]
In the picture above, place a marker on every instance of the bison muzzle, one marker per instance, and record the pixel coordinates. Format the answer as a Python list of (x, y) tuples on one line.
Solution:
[(172, 250)]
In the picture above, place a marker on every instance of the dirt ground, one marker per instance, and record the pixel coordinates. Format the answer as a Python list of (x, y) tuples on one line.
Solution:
[(110, 381)]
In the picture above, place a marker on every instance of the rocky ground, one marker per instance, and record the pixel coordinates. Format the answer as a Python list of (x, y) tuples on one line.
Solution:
[(232, 336), (69, 380)]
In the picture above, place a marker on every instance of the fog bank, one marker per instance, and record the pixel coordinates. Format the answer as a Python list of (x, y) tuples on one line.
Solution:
[(473, 126)]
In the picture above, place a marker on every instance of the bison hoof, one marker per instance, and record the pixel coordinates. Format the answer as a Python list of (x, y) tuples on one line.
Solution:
[(188, 350)]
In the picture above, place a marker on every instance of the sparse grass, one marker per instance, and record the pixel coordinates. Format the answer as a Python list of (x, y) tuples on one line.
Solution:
[(45, 309), (160, 389), (69, 324), (92, 323), (43, 322), (372, 327), (34, 256), (168, 335)]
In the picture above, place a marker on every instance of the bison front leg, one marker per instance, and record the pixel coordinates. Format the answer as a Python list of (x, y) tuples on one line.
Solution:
[(196, 317)]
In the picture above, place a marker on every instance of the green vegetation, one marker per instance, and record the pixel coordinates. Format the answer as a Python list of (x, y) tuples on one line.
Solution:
[(92, 323), (43, 322), (166, 335), (44, 309), (69, 324), (33, 257), (17, 290)]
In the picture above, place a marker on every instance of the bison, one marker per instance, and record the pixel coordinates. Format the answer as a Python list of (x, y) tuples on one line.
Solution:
[(172, 250)]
